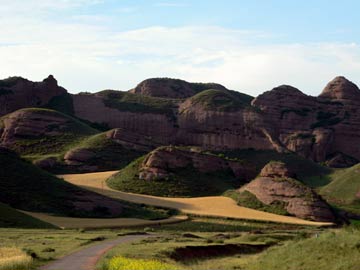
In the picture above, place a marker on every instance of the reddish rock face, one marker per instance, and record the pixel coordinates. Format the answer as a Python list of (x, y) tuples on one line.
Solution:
[(159, 163), (341, 89), (275, 185), (17, 93)]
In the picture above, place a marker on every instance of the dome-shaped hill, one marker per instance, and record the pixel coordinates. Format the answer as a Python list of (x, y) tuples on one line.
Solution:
[(341, 88), (172, 88), (220, 100), (276, 185), (40, 131), (175, 171)]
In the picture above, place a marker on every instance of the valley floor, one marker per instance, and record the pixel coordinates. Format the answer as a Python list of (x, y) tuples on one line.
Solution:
[(216, 206)]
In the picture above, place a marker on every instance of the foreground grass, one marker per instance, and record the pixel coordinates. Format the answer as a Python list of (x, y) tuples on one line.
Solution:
[(199, 233), (44, 245), (14, 259), (333, 250), (9, 217)]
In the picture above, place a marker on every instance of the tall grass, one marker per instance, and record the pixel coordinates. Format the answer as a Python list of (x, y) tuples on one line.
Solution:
[(122, 263), (14, 259)]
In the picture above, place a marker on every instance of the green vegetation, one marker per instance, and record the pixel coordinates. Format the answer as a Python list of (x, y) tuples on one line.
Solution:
[(208, 243), (45, 245), (63, 135), (183, 182), (305, 169), (333, 250), (120, 263), (300, 112), (249, 200), (26, 187), (62, 103), (125, 101), (8, 82), (326, 119), (220, 100), (108, 155), (11, 218), (344, 189)]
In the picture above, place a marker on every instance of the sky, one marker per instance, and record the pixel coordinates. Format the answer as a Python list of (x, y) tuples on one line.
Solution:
[(249, 46)]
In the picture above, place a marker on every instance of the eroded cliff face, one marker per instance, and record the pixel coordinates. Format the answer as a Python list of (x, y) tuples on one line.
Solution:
[(166, 111), (277, 184), (315, 127), (17, 93)]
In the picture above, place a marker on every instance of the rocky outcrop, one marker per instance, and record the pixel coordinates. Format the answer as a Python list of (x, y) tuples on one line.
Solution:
[(161, 162), (131, 140), (26, 129), (168, 111), (17, 93), (276, 184), (172, 88)]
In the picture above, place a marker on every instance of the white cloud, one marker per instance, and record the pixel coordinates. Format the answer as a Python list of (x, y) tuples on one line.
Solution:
[(90, 57)]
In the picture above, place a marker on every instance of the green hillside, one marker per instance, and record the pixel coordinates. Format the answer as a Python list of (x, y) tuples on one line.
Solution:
[(344, 188), (220, 100), (26, 187), (184, 182), (56, 139), (11, 218)]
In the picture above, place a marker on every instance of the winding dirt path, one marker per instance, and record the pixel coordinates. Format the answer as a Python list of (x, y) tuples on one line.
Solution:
[(217, 206), (87, 258)]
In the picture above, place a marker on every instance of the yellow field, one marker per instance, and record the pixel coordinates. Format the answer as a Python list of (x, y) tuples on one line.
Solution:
[(14, 259), (217, 206)]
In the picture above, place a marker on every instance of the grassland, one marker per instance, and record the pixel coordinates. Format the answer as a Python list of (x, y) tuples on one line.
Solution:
[(185, 182), (125, 101), (11, 218), (14, 259), (220, 100), (207, 243), (344, 189)]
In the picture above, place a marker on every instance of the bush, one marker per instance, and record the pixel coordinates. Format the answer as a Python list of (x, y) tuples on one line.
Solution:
[(119, 263)]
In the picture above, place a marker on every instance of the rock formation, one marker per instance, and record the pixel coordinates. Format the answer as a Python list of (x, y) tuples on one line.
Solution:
[(17, 93), (276, 184), (167, 111), (161, 162)]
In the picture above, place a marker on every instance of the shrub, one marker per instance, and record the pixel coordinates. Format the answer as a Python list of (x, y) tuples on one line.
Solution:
[(120, 263)]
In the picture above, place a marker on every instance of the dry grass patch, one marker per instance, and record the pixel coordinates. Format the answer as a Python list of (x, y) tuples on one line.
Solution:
[(12, 258)]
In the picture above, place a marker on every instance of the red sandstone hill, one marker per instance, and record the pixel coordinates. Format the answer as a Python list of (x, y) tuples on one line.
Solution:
[(167, 111)]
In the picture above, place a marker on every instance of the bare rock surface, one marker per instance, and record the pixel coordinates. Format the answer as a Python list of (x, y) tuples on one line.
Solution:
[(275, 184), (17, 93)]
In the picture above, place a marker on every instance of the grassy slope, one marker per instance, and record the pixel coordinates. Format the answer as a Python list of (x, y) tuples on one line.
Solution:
[(220, 100), (330, 251), (125, 101), (73, 132), (305, 169), (186, 182), (343, 188), (9, 217), (26, 187), (109, 155)]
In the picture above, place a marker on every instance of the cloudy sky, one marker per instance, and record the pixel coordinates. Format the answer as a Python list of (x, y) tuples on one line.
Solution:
[(250, 46)]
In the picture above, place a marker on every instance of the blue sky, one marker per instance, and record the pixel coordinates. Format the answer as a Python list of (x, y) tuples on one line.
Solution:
[(250, 46)]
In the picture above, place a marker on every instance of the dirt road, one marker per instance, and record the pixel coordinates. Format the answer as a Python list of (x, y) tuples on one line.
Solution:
[(86, 258)]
